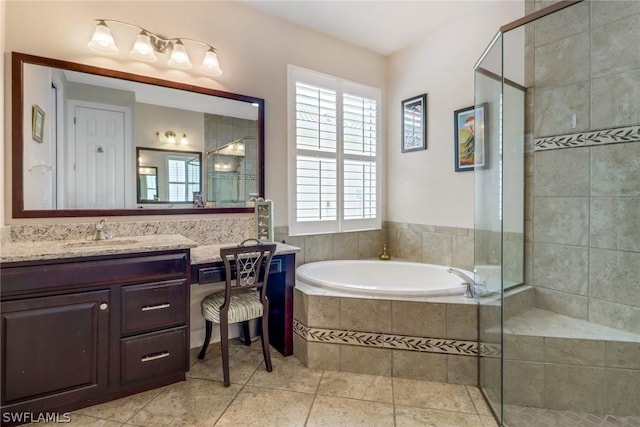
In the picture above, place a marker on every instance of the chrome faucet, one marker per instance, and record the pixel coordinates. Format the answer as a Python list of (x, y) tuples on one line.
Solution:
[(470, 291), (100, 232)]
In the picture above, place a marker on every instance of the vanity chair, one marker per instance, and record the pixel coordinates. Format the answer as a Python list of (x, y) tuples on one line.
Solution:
[(244, 297)]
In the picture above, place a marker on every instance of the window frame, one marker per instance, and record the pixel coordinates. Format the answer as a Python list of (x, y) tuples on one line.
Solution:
[(341, 87)]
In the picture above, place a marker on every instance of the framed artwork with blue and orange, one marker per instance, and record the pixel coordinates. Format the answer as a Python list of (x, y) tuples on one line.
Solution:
[(469, 137)]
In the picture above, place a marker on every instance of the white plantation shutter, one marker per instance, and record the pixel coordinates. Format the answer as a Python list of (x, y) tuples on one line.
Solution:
[(184, 179), (177, 174), (317, 198), (360, 143), (333, 165)]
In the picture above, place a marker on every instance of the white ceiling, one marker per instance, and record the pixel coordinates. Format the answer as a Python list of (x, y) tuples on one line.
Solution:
[(383, 26)]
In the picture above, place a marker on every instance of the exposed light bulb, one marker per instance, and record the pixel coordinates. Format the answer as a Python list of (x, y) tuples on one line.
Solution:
[(102, 40), (147, 44), (179, 57), (210, 64), (171, 137), (142, 49)]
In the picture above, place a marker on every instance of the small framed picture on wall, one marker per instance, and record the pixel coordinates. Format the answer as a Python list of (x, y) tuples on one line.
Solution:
[(414, 123), (37, 123), (469, 138)]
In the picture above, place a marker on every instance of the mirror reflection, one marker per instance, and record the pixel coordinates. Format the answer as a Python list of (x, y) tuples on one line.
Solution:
[(111, 144), (148, 184), (169, 177), (232, 177)]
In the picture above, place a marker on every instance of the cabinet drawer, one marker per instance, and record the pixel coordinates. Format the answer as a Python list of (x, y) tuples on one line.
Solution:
[(152, 306), (216, 273), (104, 271), (153, 355)]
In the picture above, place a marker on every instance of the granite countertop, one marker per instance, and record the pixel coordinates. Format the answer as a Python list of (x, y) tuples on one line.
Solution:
[(57, 249), (204, 254)]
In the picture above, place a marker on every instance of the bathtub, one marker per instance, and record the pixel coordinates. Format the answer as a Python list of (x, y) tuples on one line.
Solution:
[(384, 318), (380, 278)]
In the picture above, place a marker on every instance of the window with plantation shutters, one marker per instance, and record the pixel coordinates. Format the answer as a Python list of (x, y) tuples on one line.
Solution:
[(334, 159), (184, 179)]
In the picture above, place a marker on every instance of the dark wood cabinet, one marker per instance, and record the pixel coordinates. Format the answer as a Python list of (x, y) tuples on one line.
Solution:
[(82, 331), (55, 346)]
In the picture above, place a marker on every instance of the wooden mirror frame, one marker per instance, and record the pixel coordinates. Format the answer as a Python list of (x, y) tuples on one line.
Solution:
[(17, 139)]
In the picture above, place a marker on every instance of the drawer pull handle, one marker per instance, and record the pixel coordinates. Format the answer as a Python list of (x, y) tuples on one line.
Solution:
[(156, 307), (104, 306), (155, 357)]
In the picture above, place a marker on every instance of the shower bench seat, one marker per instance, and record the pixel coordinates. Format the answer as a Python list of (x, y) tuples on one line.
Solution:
[(563, 363)]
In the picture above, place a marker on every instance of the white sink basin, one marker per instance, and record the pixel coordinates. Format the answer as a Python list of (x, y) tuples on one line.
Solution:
[(99, 243)]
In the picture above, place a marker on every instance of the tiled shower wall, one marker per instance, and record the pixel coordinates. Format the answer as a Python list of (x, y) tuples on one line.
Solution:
[(583, 177)]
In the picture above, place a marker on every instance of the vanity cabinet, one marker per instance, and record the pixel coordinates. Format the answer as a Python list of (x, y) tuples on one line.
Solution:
[(81, 331)]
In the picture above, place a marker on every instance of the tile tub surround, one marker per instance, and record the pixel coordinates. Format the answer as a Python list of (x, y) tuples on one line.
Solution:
[(429, 244), (434, 341), (334, 246)]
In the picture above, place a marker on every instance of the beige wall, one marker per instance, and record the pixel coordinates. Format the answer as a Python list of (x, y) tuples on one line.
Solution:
[(419, 187), (422, 187), (254, 50)]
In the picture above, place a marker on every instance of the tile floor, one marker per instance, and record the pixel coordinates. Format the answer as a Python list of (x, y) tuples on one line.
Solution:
[(291, 395)]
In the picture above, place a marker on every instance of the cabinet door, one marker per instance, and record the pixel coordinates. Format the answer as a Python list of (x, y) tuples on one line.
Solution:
[(54, 349)]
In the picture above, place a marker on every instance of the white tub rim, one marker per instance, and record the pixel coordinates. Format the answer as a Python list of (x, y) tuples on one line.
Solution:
[(309, 284)]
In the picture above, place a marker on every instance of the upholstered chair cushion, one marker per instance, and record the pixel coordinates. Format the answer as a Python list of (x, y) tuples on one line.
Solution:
[(244, 305)]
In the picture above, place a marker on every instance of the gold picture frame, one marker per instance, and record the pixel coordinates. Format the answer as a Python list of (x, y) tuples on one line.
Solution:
[(37, 123)]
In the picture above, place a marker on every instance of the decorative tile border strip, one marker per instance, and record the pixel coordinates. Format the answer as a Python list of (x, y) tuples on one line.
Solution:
[(398, 342), (490, 350), (563, 141), (612, 136), (600, 137)]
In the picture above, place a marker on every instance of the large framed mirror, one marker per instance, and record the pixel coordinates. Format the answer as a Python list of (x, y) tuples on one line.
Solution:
[(88, 141)]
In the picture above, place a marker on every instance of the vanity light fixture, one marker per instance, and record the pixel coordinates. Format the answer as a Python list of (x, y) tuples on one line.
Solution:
[(147, 44), (171, 137)]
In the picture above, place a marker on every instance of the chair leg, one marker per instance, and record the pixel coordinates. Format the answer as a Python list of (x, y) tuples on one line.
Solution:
[(224, 345), (246, 333), (207, 338), (264, 337)]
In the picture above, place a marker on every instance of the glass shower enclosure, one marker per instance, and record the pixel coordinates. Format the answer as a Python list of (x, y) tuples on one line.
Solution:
[(557, 223)]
